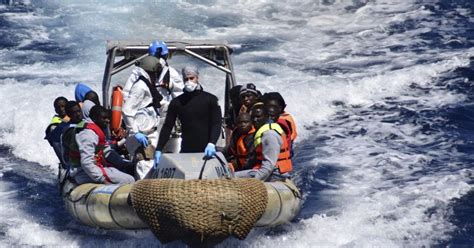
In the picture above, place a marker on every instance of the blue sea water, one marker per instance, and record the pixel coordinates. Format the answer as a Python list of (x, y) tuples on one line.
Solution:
[(381, 91)]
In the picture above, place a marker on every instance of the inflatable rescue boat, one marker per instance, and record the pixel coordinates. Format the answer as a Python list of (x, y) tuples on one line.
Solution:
[(187, 198)]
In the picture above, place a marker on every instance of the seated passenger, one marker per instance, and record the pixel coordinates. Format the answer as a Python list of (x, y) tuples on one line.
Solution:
[(66, 131), (235, 105), (86, 108), (93, 151), (271, 147), (249, 95), (86, 98), (275, 104), (54, 137), (60, 116), (234, 108), (83, 92), (241, 146)]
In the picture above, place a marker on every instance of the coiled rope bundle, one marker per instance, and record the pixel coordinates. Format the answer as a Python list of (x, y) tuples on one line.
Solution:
[(199, 210)]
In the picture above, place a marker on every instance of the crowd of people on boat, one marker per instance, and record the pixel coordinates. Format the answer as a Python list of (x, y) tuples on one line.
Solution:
[(159, 103)]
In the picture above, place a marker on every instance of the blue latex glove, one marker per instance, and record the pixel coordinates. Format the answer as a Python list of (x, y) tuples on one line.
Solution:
[(157, 159), (210, 150), (141, 138)]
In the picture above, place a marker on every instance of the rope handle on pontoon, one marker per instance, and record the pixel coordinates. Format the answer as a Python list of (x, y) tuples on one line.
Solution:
[(202, 167), (220, 162)]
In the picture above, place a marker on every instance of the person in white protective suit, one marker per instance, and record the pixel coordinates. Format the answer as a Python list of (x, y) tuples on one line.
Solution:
[(170, 83), (140, 110)]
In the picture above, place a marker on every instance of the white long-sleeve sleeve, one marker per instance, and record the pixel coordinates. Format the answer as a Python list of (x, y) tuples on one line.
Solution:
[(137, 96), (178, 84), (176, 88)]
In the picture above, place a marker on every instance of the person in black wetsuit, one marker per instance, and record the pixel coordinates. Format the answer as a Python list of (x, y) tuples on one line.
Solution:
[(199, 114)]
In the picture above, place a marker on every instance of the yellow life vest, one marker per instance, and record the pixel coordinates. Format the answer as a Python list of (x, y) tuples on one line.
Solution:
[(55, 120), (264, 128), (284, 163)]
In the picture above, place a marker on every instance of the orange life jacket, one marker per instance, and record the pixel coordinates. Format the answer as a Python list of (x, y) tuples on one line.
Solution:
[(240, 151), (291, 123), (287, 129), (283, 163)]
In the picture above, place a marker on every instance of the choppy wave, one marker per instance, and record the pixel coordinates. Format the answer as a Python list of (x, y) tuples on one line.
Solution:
[(372, 85)]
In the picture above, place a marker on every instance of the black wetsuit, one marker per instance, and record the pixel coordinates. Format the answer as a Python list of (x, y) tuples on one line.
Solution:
[(200, 116)]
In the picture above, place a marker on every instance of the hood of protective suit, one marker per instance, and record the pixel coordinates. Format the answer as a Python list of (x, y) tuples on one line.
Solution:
[(136, 73), (137, 114), (81, 91)]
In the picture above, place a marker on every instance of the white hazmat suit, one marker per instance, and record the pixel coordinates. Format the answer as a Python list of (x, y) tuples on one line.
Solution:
[(139, 116)]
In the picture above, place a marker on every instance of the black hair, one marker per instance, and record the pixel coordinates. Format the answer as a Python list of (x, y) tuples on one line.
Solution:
[(69, 106), (93, 97), (242, 114), (234, 94), (259, 105), (96, 112), (59, 99), (274, 96)]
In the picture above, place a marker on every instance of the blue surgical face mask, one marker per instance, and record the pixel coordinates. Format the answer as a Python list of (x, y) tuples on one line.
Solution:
[(190, 86)]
